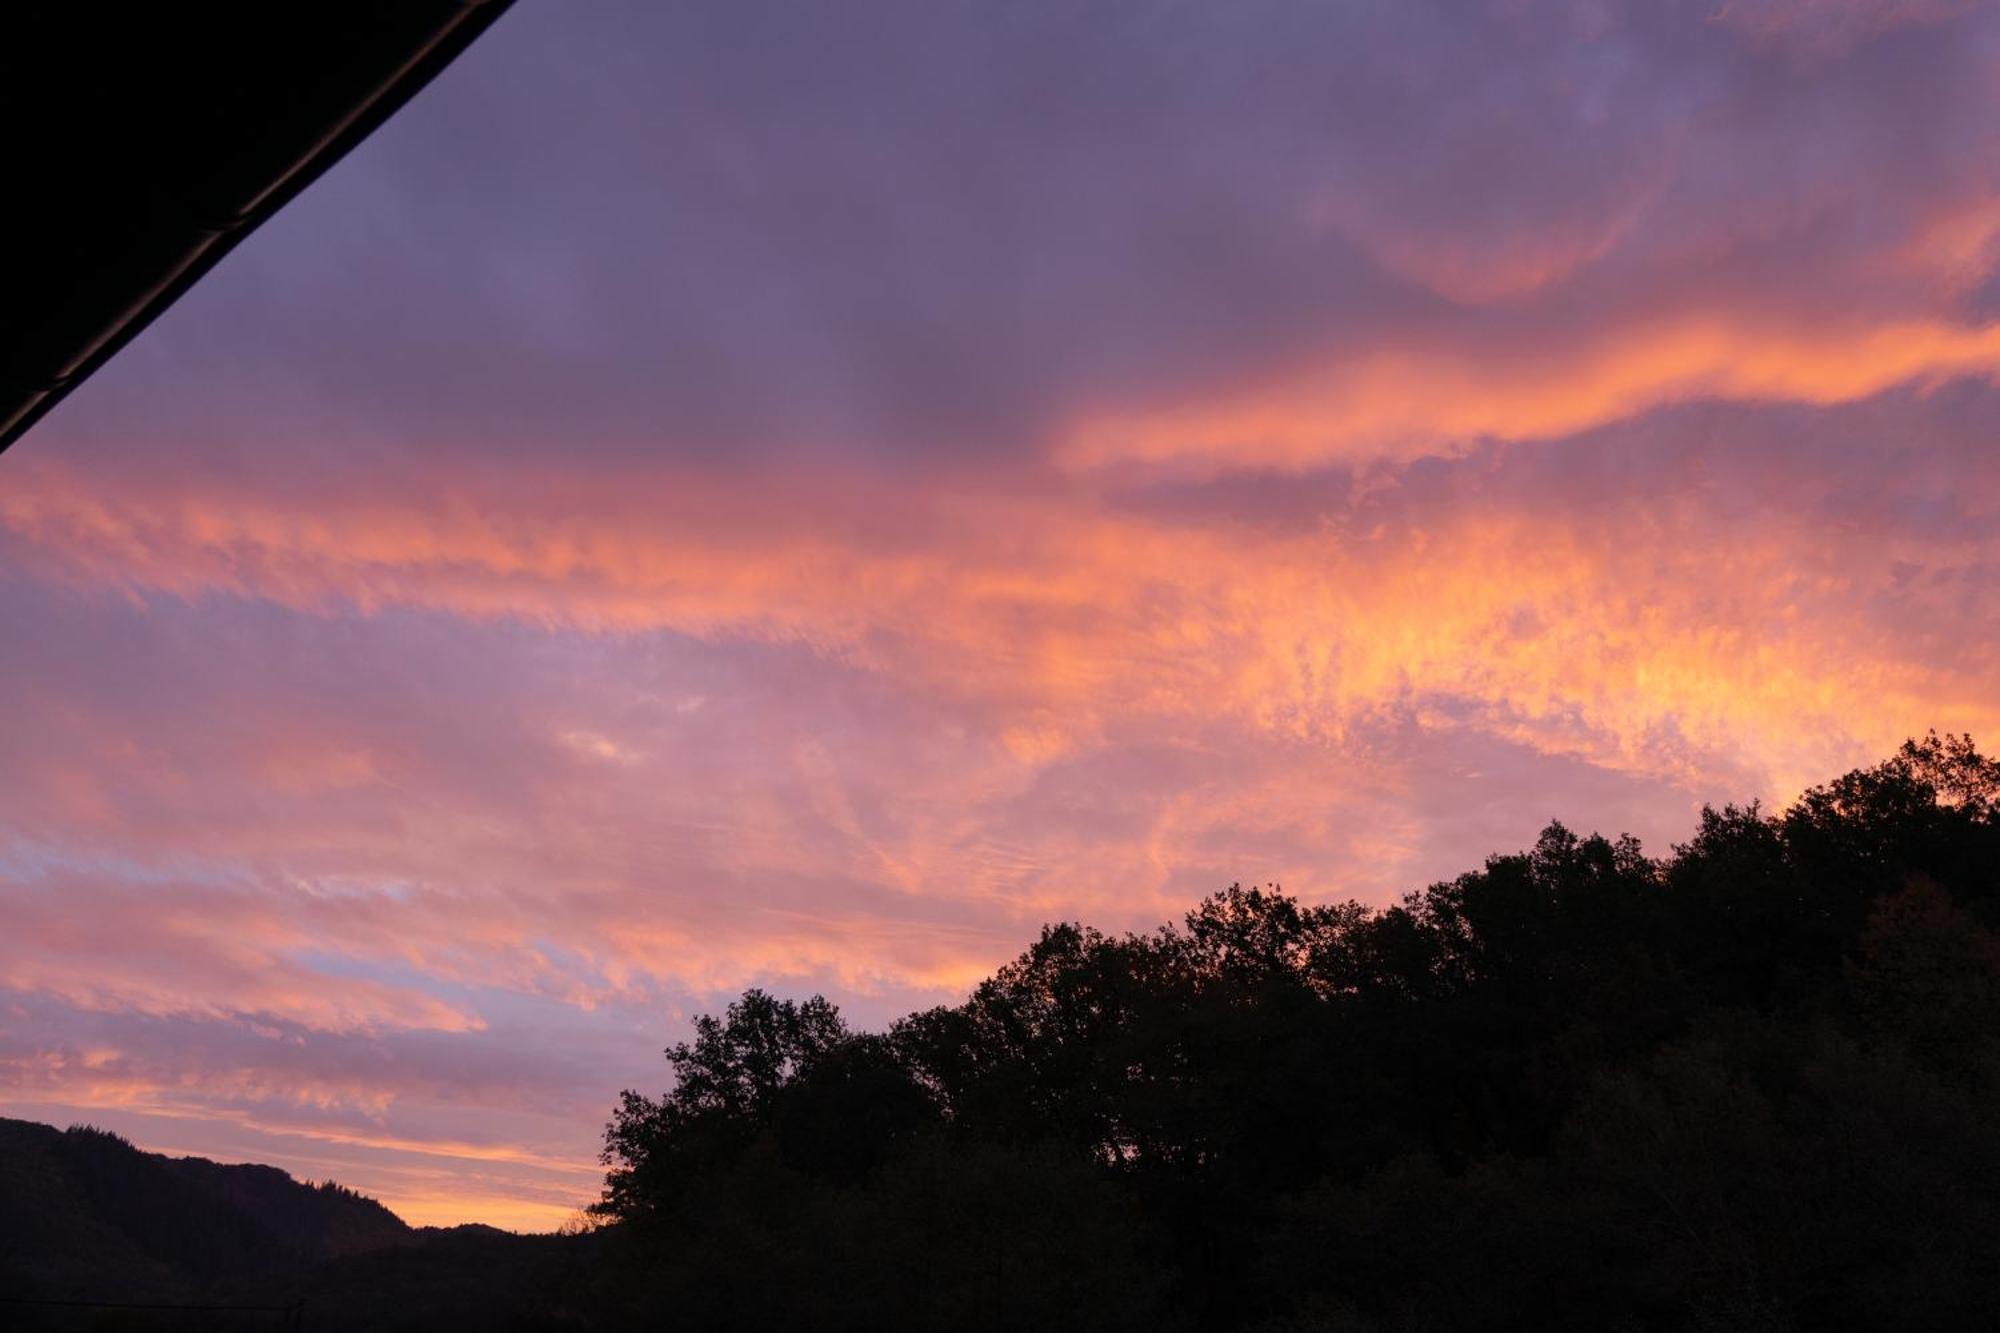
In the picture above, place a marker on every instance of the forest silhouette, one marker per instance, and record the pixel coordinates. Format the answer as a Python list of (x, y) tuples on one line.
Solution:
[(1752, 1085)]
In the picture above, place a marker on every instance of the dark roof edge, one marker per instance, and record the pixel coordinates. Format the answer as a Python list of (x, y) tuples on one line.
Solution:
[(456, 33)]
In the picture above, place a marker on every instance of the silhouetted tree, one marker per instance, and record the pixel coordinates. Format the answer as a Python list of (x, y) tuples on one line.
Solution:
[(1754, 1085)]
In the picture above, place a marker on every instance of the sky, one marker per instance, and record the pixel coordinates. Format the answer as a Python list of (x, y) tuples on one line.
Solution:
[(728, 494)]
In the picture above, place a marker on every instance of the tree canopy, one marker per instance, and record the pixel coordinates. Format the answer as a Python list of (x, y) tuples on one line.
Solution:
[(1749, 1085)]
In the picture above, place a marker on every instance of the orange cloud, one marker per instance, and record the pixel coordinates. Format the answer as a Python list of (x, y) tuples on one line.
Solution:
[(1058, 616), (1397, 404)]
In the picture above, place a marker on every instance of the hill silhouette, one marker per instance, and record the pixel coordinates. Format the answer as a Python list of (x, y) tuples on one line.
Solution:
[(83, 1212), (1752, 1085), (145, 1241)]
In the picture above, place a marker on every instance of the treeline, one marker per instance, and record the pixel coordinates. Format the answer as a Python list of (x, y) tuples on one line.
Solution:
[(1749, 1086)]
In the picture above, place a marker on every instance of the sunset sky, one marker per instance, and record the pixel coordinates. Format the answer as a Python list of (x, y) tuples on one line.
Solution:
[(727, 494)]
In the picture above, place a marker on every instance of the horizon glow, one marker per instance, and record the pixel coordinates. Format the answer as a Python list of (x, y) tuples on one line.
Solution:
[(748, 494)]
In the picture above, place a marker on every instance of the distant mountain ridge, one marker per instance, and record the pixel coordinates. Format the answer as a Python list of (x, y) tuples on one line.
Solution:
[(85, 1215)]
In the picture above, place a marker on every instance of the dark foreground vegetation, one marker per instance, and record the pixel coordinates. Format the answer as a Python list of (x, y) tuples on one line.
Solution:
[(1752, 1086)]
